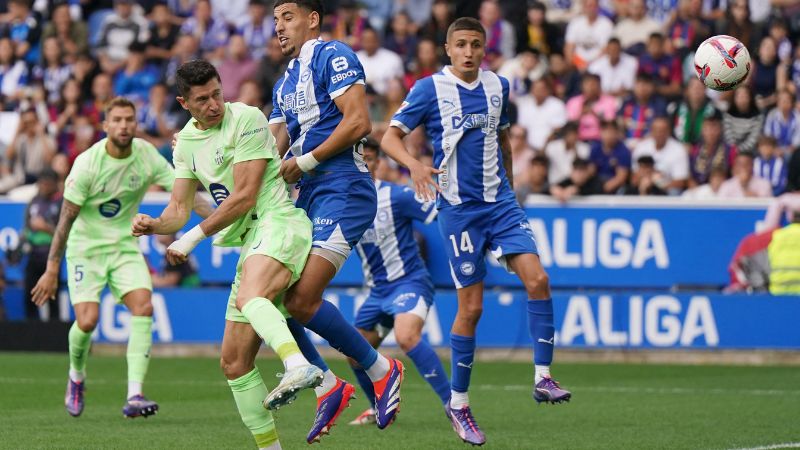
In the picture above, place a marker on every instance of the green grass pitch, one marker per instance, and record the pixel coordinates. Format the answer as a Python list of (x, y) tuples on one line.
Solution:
[(614, 407)]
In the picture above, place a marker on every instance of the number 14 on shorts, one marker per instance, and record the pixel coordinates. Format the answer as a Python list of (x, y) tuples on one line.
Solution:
[(465, 244)]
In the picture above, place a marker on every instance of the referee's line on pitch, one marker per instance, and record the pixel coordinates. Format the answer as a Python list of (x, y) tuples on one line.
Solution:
[(479, 387), (772, 447)]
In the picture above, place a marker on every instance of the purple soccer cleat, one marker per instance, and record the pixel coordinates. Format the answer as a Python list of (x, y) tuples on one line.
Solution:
[(465, 426), (329, 407), (547, 390), (73, 400), (387, 394), (139, 406)]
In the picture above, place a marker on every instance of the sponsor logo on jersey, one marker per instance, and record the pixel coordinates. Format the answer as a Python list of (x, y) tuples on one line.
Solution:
[(295, 101), (219, 192), (343, 76), (110, 208), (255, 131), (339, 63), (486, 122)]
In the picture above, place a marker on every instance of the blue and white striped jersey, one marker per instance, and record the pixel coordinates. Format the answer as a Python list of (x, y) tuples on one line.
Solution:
[(462, 121), (303, 98), (388, 250)]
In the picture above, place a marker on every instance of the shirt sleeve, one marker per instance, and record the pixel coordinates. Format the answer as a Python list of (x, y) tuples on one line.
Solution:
[(276, 115), (341, 69), (182, 168), (414, 110), (253, 140), (414, 207), (78, 184), (504, 122)]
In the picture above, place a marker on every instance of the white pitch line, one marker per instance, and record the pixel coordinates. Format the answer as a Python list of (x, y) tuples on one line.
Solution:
[(773, 446)]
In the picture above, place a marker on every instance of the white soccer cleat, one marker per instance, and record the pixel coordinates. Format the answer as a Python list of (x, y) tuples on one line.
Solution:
[(293, 381)]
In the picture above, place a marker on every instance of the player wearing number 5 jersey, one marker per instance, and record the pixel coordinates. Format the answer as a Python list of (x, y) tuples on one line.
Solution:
[(102, 193), (228, 148), (463, 109)]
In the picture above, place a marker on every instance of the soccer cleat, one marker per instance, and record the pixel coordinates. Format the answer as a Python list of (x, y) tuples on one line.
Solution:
[(547, 390), (465, 426), (73, 400), (293, 381), (329, 406), (387, 394), (367, 417), (139, 406)]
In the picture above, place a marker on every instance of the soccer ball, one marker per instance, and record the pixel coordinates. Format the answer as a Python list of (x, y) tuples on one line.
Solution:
[(722, 62)]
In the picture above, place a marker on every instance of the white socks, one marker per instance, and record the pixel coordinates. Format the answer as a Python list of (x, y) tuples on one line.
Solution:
[(134, 388), (540, 372), (77, 375), (458, 400), (295, 360), (275, 446), (328, 383), (379, 369)]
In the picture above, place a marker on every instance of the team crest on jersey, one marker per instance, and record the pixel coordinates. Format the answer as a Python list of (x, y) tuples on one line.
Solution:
[(467, 268), (305, 76), (383, 216), (110, 208), (219, 156), (134, 182), (495, 99)]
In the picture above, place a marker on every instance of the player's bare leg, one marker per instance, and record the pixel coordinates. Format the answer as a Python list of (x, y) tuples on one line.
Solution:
[(140, 341), (80, 340), (540, 320), (367, 417)]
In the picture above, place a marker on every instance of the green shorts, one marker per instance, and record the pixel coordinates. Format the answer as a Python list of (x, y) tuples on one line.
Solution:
[(282, 235), (122, 272)]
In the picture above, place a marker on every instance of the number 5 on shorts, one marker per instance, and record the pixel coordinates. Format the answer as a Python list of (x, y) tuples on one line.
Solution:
[(466, 243), (78, 272)]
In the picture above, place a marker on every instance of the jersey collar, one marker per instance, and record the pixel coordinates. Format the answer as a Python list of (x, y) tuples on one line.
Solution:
[(306, 52), (448, 73)]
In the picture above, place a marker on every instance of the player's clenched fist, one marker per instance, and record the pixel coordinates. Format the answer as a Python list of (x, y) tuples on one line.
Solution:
[(142, 225), (290, 171)]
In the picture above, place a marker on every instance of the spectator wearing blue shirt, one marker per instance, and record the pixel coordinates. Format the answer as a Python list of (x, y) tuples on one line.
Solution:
[(136, 79), (257, 30), (24, 27), (610, 158), (638, 111), (771, 165), (665, 69), (212, 34), (783, 123)]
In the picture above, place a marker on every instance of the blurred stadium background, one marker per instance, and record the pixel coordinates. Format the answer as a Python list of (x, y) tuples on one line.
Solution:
[(653, 201)]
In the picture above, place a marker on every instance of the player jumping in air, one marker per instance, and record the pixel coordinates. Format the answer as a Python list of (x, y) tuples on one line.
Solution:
[(401, 290), (320, 115), (463, 109), (101, 195), (228, 148)]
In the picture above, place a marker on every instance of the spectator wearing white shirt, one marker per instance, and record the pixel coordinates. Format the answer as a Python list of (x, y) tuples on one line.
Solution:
[(617, 71), (587, 35), (634, 30), (119, 30), (540, 113), (380, 64), (744, 183), (670, 156), (563, 152)]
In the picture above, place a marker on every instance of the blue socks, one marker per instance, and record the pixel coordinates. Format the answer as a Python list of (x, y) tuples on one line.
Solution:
[(431, 369), (366, 385), (462, 354), (540, 323), (304, 343), (329, 323)]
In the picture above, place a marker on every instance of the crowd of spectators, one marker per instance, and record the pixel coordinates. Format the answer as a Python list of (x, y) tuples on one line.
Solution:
[(604, 98)]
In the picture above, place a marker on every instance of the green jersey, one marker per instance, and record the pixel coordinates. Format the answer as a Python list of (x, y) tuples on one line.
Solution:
[(109, 191), (209, 156)]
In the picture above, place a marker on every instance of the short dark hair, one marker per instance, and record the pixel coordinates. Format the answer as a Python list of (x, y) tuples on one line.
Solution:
[(194, 73), (767, 140), (311, 5), (540, 159), (466, 23), (614, 40), (646, 161), (119, 102)]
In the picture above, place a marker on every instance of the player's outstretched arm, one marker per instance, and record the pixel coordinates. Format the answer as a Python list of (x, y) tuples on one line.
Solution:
[(421, 175), (505, 151), (175, 214), (354, 125), (47, 285)]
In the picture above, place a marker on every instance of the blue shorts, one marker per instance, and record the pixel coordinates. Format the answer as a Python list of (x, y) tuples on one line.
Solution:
[(411, 296), (341, 208), (470, 229)]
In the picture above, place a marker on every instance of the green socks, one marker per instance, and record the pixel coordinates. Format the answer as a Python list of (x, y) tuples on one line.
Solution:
[(249, 393), (79, 343), (270, 324), (139, 343)]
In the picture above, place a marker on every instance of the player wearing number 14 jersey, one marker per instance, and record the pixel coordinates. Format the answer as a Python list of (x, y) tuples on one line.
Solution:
[(463, 109)]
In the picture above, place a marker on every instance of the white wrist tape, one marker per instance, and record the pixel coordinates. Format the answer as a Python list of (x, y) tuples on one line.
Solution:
[(188, 241), (307, 162)]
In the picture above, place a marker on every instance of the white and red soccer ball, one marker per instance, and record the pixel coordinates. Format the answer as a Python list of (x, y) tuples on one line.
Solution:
[(722, 62)]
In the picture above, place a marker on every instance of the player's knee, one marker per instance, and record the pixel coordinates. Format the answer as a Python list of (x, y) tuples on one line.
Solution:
[(232, 368), (87, 322), (406, 340), (143, 309), (538, 285), (470, 313), (301, 308)]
